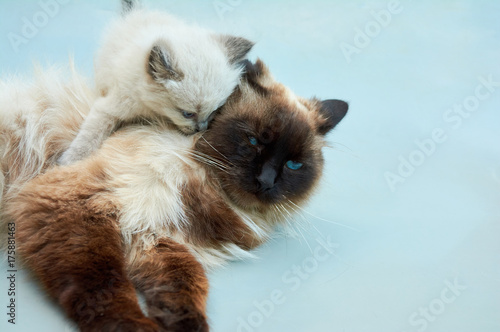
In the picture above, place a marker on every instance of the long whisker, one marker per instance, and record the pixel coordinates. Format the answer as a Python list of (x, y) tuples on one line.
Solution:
[(297, 227), (347, 150), (208, 160), (211, 160), (202, 160), (223, 156), (307, 243), (322, 219)]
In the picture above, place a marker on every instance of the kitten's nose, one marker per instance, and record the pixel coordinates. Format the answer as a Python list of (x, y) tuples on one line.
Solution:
[(267, 177), (202, 125)]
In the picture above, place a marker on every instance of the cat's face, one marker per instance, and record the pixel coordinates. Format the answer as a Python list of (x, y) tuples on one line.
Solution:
[(193, 80), (268, 142)]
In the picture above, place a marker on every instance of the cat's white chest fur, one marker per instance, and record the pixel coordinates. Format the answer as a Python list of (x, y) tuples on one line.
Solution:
[(147, 179)]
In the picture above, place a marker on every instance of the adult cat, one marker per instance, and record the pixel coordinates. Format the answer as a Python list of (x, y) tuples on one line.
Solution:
[(152, 208)]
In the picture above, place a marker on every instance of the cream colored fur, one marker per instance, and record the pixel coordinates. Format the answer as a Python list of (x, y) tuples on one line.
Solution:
[(202, 73), (38, 120)]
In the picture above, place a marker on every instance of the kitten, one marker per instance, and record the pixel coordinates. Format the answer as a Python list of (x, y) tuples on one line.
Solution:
[(153, 209), (151, 63)]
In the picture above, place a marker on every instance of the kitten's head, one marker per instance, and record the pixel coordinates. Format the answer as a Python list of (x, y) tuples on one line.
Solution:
[(267, 142), (193, 78)]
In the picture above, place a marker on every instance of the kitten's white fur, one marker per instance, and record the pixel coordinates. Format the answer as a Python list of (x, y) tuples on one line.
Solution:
[(151, 63)]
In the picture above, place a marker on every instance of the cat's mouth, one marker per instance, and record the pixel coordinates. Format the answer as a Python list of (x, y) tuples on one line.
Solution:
[(267, 195)]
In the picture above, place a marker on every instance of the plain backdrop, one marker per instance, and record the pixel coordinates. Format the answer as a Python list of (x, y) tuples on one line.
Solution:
[(403, 234)]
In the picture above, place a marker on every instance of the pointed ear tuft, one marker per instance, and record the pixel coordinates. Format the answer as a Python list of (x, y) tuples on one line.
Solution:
[(257, 75), (160, 65), (236, 48), (332, 111)]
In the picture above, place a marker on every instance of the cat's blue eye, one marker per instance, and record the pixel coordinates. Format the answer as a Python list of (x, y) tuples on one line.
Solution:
[(253, 140), (188, 115), (295, 165)]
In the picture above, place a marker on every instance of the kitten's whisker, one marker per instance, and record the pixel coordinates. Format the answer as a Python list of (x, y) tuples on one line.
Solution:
[(325, 220)]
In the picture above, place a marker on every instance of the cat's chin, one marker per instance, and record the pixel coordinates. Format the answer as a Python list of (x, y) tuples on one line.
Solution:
[(259, 200), (268, 197)]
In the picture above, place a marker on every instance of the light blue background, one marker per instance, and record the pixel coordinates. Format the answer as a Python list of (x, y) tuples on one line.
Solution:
[(399, 250)]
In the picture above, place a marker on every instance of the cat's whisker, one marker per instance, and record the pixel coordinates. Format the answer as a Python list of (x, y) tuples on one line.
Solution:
[(324, 239), (211, 163), (279, 210), (223, 156), (306, 221), (307, 243), (207, 160), (211, 158), (322, 219), (293, 225), (348, 151), (206, 157)]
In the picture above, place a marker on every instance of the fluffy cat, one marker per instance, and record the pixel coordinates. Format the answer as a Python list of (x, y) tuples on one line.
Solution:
[(151, 63), (152, 209)]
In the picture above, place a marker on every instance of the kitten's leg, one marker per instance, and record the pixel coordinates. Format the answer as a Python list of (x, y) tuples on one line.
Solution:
[(174, 285), (75, 249), (96, 127)]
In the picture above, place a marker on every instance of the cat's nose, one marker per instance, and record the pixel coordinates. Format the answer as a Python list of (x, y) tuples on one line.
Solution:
[(202, 125), (267, 177)]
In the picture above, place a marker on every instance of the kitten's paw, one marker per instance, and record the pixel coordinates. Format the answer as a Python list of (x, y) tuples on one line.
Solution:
[(71, 156), (185, 319), (66, 158)]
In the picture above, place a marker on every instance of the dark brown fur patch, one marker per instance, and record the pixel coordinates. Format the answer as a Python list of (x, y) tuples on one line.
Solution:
[(69, 238), (174, 285), (211, 221)]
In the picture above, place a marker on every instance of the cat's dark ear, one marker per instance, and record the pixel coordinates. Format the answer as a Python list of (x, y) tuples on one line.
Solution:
[(160, 65), (331, 111), (236, 48), (257, 75)]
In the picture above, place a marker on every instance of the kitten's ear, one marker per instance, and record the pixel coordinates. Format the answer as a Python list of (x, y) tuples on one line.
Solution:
[(236, 48), (332, 111), (160, 65)]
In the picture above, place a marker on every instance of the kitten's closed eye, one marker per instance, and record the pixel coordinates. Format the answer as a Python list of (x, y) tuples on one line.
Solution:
[(188, 115)]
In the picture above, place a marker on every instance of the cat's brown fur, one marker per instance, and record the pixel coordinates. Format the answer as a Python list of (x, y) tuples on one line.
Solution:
[(151, 208)]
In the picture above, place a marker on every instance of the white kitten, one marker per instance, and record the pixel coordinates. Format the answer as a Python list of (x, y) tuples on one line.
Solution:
[(151, 64)]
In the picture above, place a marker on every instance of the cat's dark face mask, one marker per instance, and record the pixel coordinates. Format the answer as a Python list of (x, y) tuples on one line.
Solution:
[(268, 142)]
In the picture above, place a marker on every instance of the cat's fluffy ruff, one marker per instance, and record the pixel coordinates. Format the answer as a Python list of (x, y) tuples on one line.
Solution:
[(38, 120), (151, 63)]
